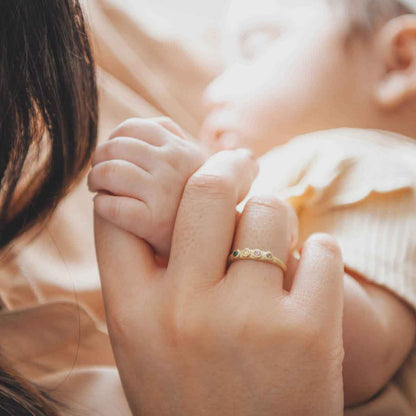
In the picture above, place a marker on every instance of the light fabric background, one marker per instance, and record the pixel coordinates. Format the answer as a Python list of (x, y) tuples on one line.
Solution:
[(197, 16)]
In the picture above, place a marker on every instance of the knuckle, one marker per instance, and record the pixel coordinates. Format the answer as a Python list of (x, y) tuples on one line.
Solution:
[(270, 206), (269, 202), (170, 125), (182, 158), (327, 243), (172, 155), (168, 122), (212, 184), (184, 155), (126, 126), (152, 126), (131, 122), (133, 127)]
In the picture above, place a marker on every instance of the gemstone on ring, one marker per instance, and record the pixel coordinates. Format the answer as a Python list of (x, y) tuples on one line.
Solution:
[(246, 252), (257, 255)]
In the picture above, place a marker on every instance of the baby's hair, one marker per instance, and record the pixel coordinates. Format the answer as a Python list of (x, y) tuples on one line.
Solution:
[(365, 16)]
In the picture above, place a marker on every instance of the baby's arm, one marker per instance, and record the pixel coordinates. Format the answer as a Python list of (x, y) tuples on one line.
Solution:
[(140, 174), (379, 331)]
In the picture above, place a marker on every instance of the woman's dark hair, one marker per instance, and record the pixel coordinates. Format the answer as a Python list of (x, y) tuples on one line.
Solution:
[(48, 108), (48, 128)]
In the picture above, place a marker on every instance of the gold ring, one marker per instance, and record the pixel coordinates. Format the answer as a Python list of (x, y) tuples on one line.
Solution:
[(258, 255)]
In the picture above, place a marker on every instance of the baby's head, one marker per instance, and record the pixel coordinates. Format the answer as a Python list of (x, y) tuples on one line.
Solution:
[(297, 66)]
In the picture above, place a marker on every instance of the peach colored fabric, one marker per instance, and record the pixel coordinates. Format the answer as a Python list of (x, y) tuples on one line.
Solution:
[(53, 323)]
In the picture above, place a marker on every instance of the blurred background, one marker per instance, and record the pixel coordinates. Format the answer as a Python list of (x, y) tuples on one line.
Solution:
[(200, 17)]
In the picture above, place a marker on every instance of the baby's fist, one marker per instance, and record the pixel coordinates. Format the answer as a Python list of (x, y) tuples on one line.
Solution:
[(140, 175)]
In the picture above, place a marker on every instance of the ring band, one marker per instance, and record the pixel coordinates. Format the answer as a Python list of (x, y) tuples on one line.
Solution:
[(258, 255)]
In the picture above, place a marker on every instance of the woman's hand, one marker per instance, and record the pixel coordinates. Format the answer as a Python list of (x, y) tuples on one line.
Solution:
[(198, 339)]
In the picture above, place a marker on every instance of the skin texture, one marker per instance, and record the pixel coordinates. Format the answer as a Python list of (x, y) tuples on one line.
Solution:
[(196, 338)]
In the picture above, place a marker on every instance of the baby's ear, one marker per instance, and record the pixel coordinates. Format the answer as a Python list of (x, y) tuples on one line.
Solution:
[(397, 41)]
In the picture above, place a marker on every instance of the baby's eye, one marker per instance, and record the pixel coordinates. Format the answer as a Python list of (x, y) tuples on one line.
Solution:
[(255, 42)]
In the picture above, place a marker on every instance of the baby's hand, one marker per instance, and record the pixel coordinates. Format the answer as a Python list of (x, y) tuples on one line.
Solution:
[(140, 175)]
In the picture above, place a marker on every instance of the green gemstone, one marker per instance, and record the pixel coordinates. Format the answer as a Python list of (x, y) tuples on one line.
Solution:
[(235, 254)]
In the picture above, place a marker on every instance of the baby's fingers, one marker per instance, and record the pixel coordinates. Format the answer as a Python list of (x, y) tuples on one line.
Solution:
[(170, 125), (147, 130), (135, 151), (121, 178), (126, 213)]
